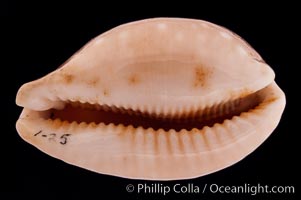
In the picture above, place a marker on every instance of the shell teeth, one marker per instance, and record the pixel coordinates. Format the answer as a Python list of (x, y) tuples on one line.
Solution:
[(145, 111), (182, 118)]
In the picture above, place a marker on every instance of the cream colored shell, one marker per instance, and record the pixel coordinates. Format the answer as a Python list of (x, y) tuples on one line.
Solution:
[(163, 68)]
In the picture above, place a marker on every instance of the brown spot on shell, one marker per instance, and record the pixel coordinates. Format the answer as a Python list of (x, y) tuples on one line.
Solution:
[(133, 79), (68, 78), (105, 92), (201, 76)]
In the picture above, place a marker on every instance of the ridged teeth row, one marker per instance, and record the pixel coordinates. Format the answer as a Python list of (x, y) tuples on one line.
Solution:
[(167, 114), (218, 109)]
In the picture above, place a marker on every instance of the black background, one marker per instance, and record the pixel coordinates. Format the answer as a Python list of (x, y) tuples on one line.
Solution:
[(38, 38)]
